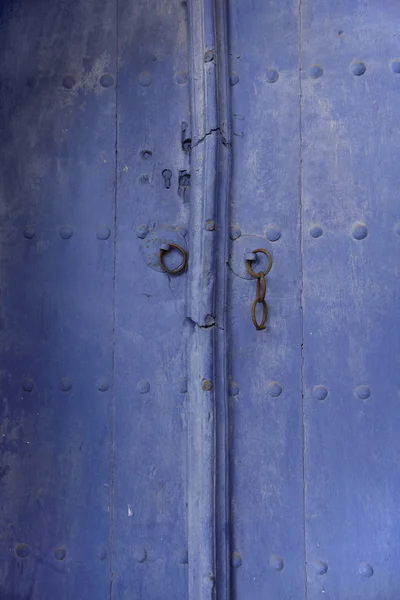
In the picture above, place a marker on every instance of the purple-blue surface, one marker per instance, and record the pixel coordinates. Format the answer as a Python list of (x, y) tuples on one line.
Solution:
[(154, 445)]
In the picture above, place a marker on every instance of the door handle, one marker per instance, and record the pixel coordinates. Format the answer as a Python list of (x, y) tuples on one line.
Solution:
[(164, 248)]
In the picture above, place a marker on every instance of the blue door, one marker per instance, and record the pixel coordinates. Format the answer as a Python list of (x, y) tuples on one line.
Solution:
[(199, 376)]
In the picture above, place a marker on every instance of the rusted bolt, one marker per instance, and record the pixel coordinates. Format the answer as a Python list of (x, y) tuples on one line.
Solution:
[(210, 225), (207, 385)]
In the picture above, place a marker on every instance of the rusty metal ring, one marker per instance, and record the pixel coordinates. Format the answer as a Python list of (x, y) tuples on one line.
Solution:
[(181, 267), (262, 325), (248, 263)]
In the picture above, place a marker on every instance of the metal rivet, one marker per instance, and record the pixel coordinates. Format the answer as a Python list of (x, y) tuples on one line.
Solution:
[(69, 82), (60, 553), (106, 80), (320, 392), (206, 385), (182, 385), (315, 71), (142, 231), (363, 392), (182, 556), (358, 67), (320, 567), (143, 386), (103, 232), (139, 554), (145, 154), (236, 560), (103, 385), (359, 231), (22, 550), (27, 384), (316, 231), (276, 562), (273, 233), (366, 570), (274, 389), (209, 55), (65, 384), (395, 65), (272, 75), (235, 233), (181, 77), (209, 225), (233, 388), (144, 79), (102, 553), (234, 78), (66, 232), (29, 232)]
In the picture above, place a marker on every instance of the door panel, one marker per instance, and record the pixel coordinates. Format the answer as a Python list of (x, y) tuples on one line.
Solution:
[(149, 509), (126, 469), (57, 256), (351, 249), (265, 366)]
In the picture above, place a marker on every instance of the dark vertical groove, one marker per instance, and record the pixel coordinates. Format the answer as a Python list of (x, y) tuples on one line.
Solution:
[(112, 457), (223, 533), (302, 292)]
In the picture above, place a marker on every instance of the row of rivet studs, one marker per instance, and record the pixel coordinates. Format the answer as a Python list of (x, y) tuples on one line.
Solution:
[(65, 384), (319, 392), (23, 551), (321, 567), (144, 79), (142, 386), (66, 232), (139, 554), (359, 231), (273, 388), (357, 68)]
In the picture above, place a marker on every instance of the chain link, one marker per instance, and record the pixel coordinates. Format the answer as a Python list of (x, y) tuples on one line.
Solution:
[(261, 289)]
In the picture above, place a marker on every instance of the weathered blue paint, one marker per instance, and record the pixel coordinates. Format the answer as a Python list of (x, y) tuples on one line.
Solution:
[(350, 135), (57, 188), (206, 304), (153, 443), (265, 366), (149, 509)]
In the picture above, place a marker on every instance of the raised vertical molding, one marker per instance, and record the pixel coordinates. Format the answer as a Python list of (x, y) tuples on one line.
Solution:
[(208, 472)]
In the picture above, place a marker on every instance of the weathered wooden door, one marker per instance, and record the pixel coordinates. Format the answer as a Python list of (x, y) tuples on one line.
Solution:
[(157, 441)]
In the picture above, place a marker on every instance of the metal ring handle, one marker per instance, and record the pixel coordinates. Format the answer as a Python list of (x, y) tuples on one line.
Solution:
[(181, 267), (248, 263)]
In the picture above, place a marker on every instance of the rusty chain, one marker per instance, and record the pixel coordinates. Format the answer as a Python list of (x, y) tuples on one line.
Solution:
[(261, 289)]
